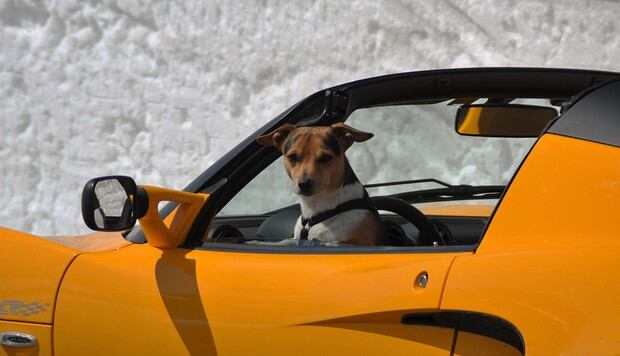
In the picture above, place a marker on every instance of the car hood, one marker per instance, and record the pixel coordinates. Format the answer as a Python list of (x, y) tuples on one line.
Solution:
[(32, 268)]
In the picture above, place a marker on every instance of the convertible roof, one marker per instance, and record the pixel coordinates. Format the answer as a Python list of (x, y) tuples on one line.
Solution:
[(470, 82)]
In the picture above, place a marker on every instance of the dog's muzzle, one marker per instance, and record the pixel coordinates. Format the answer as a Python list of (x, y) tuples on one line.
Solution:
[(306, 185)]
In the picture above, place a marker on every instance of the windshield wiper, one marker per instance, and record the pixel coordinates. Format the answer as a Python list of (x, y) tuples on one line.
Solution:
[(453, 192), (402, 182), (447, 193)]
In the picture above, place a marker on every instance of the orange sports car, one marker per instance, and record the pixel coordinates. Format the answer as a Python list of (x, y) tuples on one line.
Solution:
[(497, 190)]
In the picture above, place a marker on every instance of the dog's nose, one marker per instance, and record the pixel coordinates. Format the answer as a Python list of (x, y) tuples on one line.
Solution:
[(305, 185)]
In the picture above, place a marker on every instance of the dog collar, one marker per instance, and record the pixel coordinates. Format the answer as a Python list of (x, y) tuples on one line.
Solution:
[(361, 203)]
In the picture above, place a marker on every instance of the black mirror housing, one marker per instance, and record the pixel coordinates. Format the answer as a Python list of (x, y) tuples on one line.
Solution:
[(113, 203)]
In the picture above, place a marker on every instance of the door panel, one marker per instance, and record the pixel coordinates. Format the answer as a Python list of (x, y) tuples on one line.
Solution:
[(196, 301), (337, 303)]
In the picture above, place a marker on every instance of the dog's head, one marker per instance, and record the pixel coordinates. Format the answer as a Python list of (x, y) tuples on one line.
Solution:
[(314, 156)]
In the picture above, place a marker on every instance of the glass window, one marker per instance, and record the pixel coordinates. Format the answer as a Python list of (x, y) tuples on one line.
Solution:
[(419, 141), (270, 190)]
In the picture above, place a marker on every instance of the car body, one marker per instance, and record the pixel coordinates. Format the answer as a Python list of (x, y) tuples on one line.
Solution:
[(538, 277)]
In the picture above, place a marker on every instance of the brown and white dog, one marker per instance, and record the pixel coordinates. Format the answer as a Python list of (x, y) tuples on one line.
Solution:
[(314, 159)]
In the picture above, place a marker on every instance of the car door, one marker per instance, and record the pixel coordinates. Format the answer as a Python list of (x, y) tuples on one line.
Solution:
[(144, 300), (280, 303)]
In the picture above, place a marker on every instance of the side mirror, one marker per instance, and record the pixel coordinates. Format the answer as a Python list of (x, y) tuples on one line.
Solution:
[(503, 120), (113, 203)]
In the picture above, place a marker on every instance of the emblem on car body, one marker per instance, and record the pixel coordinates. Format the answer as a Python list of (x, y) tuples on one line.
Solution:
[(21, 308)]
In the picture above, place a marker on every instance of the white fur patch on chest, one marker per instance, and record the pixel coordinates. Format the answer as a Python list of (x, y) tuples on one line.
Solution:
[(336, 228), (339, 227), (319, 203)]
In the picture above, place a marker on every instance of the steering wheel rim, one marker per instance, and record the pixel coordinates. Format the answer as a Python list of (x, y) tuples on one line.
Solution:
[(429, 235)]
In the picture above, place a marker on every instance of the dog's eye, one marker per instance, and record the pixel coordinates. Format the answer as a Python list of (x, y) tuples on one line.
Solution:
[(324, 158), (292, 158)]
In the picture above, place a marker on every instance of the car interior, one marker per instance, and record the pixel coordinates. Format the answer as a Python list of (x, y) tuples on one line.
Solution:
[(403, 223), (455, 230)]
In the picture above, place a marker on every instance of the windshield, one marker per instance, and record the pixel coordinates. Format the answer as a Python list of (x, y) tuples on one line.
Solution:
[(410, 142), (419, 141)]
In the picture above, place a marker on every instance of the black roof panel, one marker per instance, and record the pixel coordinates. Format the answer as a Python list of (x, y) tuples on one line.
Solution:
[(471, 82), (594, 117)]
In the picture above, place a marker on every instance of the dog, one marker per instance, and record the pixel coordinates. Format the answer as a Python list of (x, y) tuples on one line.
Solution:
[(335, 207)]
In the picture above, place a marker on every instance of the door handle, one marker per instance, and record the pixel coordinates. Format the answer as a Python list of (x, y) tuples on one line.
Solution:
[(17, 339), (421, 280)]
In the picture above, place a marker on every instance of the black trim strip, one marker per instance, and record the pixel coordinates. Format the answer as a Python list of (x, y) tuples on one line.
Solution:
[(471, 322), (332, 250)]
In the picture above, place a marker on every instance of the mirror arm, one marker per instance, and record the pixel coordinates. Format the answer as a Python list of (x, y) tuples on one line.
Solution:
[(171, 232)]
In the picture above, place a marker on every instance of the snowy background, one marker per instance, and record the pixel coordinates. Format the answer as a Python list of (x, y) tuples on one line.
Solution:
[(160, 89)]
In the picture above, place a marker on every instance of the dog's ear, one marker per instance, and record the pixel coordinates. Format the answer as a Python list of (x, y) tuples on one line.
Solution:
[(348, 135), (276, 137)]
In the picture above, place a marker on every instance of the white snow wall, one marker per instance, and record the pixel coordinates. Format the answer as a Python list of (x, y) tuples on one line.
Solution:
[(160, 89)]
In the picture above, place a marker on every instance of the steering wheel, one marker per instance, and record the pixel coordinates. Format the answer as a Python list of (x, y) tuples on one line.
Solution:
[(429, 235)]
